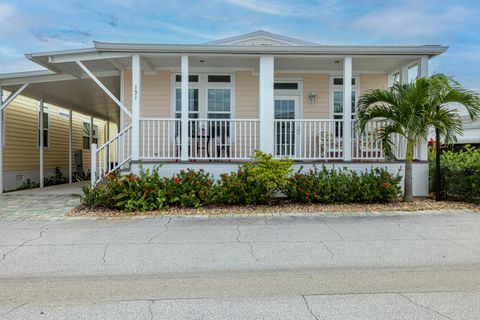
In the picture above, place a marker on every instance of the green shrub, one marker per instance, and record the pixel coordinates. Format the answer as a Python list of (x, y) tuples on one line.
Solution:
[(460, 173), (268, 174), (255, 182), (94, 197), (144, 192), (190, 188), (343, 185), (55, 179)]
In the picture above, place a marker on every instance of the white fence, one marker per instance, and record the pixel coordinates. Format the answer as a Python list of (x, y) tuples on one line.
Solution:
[(160, 138), (319, 139), (366, 146), (237, 139), (111, 156), (222, 139)]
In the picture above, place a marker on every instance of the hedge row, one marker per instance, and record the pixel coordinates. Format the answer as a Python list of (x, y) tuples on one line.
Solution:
[(255, 182)]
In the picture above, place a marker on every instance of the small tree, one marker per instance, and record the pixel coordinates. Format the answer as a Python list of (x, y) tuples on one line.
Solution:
[(411, 109)]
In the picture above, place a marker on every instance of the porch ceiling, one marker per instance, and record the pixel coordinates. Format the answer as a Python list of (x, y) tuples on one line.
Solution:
[(322, 64), (83, 95)]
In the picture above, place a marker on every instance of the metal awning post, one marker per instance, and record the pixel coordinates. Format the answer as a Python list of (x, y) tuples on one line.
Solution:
[(70, 151), (2, 119), (42, 143)]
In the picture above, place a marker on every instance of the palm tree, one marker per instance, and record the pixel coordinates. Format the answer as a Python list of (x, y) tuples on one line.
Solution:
[(411, 109)]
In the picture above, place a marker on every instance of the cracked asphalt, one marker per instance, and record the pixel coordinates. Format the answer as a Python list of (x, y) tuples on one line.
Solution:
[(408, 266)]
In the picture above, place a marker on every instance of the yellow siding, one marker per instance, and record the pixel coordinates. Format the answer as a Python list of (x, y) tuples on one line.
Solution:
[(246, 91), (155, 99), (373, 81), (21, 151), (156, 93)]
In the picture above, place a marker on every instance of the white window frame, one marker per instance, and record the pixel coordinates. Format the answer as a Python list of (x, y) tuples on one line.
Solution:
[(90, 136), (178, 85), (203, 85), (46, 110), (334, 87), (289, 93)]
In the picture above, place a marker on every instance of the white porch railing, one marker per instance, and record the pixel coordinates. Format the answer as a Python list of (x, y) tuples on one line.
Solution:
[(222, 139), (159, 138), (111, 156), (316, 139), (366, 146)]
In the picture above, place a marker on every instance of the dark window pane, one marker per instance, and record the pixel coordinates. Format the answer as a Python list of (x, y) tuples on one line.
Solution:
[(285, 86), (339, 81), (218, 78), (218, 116), (86, 143), (191, 78), (45, 138)]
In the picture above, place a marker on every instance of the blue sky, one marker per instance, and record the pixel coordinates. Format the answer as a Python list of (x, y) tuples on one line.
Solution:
[(35, 26)]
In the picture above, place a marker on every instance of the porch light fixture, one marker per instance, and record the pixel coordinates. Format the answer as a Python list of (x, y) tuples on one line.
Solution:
[(313, 97)]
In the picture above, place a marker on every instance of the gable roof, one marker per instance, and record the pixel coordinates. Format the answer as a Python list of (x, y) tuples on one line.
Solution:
[(261, 38)]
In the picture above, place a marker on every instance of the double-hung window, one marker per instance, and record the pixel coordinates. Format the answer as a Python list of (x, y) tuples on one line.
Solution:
[(210, 96), (193, 96), (46, 126), (219, 97), (337, 100), (87, 139)]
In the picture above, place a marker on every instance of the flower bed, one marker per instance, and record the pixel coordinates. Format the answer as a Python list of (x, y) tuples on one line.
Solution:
[(254, 183)]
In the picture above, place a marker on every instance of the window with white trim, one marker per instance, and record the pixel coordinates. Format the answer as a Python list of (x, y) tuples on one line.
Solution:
[(209, 96), (87, 140), (337, 99), (219, 97), (46, 127), (193, 96)]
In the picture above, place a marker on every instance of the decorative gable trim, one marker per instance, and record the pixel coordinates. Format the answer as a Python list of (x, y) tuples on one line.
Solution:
[(261, 38)]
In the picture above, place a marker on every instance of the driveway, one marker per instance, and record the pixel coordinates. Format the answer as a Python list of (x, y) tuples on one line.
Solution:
[(413, 266)]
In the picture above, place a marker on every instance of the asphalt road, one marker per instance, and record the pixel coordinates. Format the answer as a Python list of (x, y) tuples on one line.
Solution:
[(388, 267)]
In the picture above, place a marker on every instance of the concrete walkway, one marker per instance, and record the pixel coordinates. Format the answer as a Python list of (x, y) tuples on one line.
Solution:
[(417, 266)]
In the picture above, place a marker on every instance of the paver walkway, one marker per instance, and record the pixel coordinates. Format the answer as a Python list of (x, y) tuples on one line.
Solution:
[(36, 207)]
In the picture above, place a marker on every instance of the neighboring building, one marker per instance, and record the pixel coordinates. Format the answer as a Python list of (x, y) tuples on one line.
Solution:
[(471, 133), (210, 106), (21, 141)]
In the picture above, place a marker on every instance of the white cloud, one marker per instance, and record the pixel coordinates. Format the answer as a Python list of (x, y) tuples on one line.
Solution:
[(411, 21), (290, 8), (261, 6)]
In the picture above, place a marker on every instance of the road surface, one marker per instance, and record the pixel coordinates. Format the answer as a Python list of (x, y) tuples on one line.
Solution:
[(413, 266)]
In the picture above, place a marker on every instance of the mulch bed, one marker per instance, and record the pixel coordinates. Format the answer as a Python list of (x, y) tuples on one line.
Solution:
[(285, 207)]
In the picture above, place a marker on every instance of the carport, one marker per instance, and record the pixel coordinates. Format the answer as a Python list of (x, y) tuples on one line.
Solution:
[(75, 92)]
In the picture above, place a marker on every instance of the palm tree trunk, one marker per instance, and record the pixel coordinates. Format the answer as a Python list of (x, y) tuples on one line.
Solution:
[(407, 187)]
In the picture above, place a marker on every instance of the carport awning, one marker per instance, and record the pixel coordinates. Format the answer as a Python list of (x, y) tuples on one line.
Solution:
[(82, 95)]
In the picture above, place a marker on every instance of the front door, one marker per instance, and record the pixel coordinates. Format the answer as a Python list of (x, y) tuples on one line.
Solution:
[(286, 111)]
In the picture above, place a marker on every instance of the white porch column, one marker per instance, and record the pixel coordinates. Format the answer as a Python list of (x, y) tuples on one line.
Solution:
[(184, 109), (42, 149), (404, 74), (136, 104), (2, 119), (266, 103), (423, 73), (347, 109), (70, 121), (121, 125), (91, 130)]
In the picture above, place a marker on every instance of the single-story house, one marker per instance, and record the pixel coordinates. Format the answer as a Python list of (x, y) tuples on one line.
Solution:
[(211, 105)]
